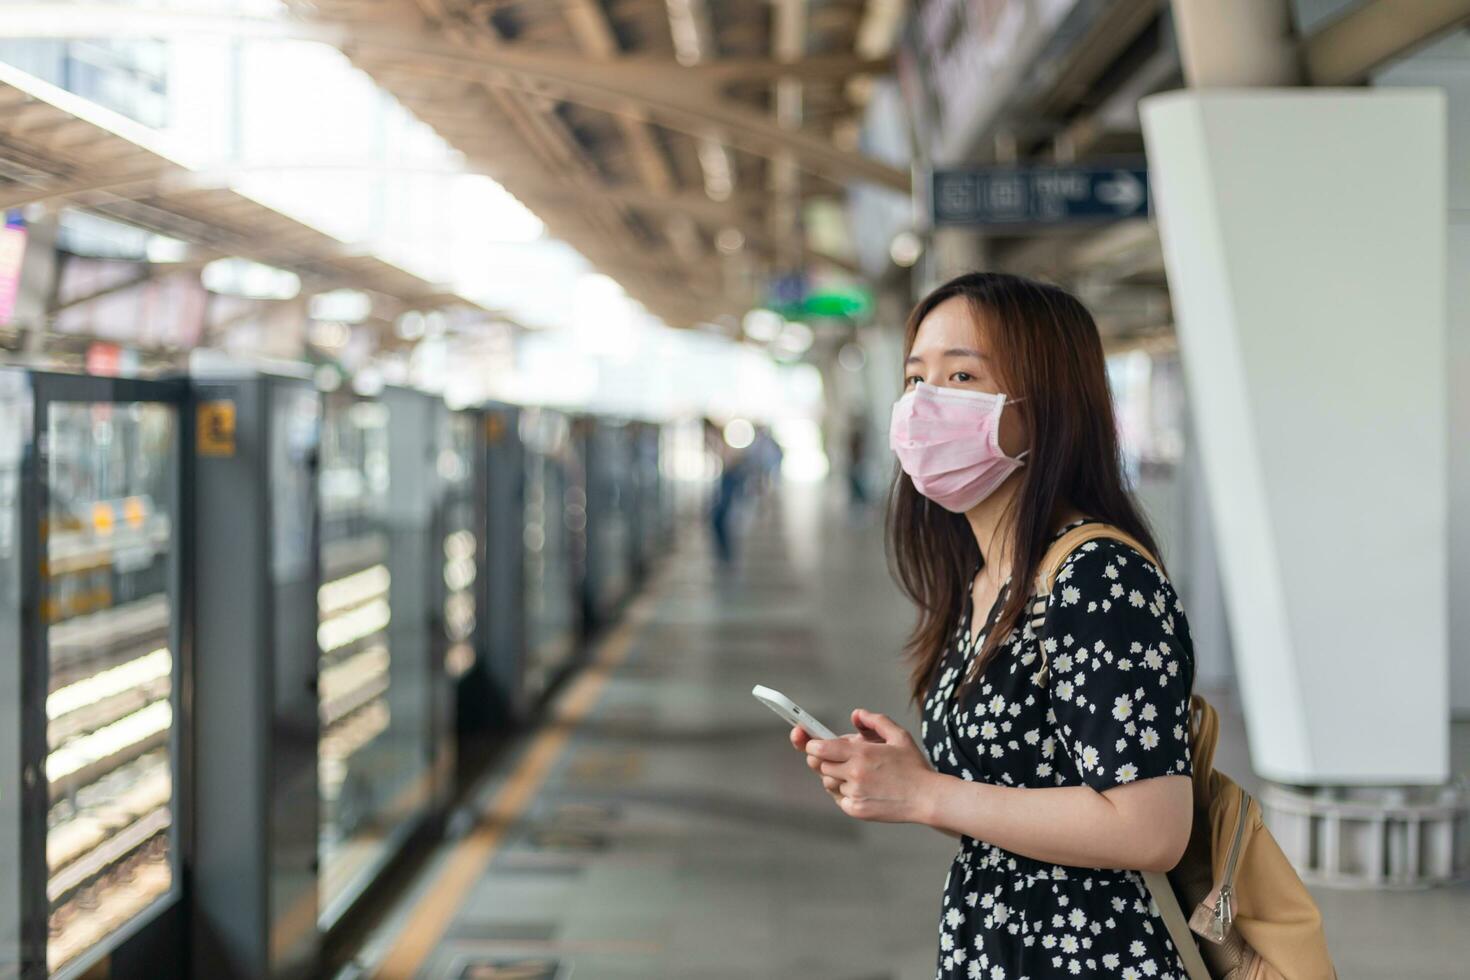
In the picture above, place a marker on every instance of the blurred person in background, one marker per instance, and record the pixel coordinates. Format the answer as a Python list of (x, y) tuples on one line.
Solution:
[(1055, 736), (857, 464), (729, 487), (766, 455)]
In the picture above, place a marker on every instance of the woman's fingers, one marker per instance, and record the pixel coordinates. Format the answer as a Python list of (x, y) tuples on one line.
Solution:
[(829, 758), (886, 727), (840, 770), (831, 749)]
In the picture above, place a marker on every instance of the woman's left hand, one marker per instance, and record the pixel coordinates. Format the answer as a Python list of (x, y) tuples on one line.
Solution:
[(883, 777)]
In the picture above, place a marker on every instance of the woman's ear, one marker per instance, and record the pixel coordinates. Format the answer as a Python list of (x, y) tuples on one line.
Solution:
[(1015, 428)]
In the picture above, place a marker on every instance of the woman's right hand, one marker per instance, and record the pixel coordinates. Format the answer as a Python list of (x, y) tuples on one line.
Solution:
[(831, 784)]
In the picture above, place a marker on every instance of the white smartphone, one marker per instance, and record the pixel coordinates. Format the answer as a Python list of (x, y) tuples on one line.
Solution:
[(791, 711)]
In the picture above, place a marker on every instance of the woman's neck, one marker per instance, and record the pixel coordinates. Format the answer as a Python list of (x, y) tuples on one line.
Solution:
[(993, 522)]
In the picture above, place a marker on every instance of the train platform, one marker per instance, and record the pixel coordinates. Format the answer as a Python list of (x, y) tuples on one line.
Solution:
[(658, 824)]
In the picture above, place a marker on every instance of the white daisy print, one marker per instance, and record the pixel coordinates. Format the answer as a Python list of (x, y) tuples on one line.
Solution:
[(1122, 707)]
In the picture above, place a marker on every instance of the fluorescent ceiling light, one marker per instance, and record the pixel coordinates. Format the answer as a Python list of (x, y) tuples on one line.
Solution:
[(762, 325), (346, 305), (250, 280)]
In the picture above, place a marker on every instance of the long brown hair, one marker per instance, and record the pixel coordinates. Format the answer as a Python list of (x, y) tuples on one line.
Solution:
[(1045, 349)]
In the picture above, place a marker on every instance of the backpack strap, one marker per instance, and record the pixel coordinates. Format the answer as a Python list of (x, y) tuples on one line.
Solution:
[(1173, 916), (1204, 733), (1062, 548)]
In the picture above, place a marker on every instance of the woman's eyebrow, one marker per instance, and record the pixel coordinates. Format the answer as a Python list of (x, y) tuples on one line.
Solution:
[(952, 352)]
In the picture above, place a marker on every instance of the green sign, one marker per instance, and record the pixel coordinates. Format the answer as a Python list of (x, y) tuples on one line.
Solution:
[(838, 302)]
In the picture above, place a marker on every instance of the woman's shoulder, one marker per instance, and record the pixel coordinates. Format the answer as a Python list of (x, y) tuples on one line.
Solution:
[(1109, 562), (1109, 589)]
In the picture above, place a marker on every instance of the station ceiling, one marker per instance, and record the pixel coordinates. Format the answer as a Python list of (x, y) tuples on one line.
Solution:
[(672, 142), (58, 148)]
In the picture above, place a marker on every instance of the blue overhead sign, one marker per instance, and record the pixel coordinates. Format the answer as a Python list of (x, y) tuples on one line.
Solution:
[(1037, 195)]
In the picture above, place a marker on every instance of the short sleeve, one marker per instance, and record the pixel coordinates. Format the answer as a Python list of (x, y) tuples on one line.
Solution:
[(1120, 666)]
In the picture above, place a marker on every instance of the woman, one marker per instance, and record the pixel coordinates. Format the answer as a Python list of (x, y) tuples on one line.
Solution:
[(1062, 783)]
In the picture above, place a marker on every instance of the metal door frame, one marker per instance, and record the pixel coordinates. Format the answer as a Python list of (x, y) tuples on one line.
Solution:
[(48, 389)]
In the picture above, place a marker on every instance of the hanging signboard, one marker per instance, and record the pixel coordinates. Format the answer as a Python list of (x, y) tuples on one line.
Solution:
[(1028, 196)]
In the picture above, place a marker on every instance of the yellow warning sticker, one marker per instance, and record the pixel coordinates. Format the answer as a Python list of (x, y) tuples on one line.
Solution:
[(494, 427), (103, 519), (216, 435)]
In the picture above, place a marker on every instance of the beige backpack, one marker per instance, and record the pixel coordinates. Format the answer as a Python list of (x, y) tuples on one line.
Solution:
[(1255, 917)]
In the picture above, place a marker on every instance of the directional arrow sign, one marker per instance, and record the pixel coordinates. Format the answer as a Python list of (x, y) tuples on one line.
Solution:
[(1011, 196)]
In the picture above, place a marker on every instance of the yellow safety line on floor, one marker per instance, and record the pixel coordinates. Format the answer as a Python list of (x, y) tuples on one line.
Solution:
[(467, 862)]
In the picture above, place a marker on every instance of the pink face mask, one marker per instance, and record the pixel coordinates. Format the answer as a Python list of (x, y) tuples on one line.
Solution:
[(948, 441)]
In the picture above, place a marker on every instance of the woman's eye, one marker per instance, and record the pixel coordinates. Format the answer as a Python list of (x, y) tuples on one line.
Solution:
[(909, 381), (961, 377)]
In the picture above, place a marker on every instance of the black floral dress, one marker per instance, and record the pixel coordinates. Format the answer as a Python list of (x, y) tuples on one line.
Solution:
[(1113, 707)]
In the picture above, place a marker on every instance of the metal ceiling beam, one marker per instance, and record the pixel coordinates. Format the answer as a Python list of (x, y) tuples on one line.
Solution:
[(66, 190), (737, 210), (527, 183), (593, 32), (1347, 49), (677, 103), (596, 222), (589, 25), (1124, 22), (788, 44), (543, 132), (82, 21), (687, 99), (692, 34)]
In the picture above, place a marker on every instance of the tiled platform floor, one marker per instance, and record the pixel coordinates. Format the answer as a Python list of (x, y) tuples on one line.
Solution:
[(676, 835)]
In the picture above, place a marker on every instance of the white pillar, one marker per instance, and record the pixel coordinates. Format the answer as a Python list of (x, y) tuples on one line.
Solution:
[(1209, 622), (1304, 240), (951, 252), (1239, 43), (1446, 65)]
